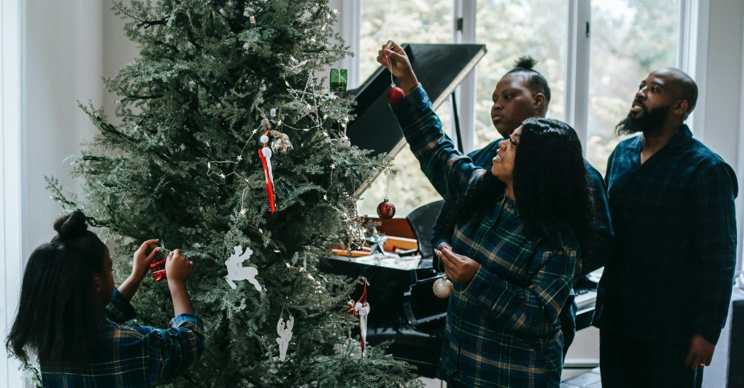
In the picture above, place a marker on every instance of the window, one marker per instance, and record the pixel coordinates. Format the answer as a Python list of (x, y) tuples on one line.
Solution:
[(630, 39), (415, 21), (511, 29)]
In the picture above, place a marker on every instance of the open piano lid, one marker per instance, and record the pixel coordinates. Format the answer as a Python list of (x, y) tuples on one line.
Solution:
[(439, 67)]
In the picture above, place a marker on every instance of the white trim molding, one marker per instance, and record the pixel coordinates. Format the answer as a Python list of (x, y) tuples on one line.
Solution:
[(578, 66), (349, 25), (11, 137), (465, 9), (692, 54)]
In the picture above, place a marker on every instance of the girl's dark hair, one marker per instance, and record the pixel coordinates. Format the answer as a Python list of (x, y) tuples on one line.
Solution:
[(59, 316), (551, 184), (551, 187)]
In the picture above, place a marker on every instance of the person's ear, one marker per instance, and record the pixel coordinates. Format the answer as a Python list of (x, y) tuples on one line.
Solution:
[(97, 283), (539, 101), (680, 107)]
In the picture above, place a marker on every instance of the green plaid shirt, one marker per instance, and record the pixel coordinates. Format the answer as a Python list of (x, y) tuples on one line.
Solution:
[(672, 270), (135, 356), (502, 328)]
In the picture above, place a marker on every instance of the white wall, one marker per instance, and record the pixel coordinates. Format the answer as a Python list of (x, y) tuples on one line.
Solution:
[(11, 262), (63, 65), (118, 50), (722, 99)]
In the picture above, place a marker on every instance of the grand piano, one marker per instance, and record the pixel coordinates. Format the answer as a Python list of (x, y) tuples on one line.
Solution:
[(404, 309)]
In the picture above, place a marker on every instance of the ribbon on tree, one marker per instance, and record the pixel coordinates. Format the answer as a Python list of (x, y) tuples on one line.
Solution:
[(265, 154)]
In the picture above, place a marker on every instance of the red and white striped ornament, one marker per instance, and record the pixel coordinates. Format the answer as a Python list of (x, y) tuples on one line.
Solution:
[(265, 154)]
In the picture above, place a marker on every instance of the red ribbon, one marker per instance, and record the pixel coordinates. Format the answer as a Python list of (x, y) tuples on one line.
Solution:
[(269, 181), (363, 301)]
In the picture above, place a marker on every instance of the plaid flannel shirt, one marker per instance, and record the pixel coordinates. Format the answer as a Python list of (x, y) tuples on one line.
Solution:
[(671, 272), (502, 328), (483, 158), (135, 356)]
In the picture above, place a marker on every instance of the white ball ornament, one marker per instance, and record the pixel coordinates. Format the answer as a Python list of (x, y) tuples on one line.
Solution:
[(266, 152), (442, 287), (264, 139)]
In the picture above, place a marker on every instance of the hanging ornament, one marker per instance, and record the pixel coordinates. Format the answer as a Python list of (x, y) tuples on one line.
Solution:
[(285, 335), (236, 271), (395, 95), (442, 287), (158, 267), (265, 155), (338, 80), (281, 142), (386, 209), (158, 270), (344, 141), (362, 308)]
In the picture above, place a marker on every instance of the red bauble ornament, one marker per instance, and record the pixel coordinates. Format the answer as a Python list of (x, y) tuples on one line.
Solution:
[(395, 95), (386, 209)]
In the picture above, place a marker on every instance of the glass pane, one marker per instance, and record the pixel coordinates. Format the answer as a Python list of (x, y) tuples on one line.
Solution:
[(511, 29), (412, 21), (630, 39)]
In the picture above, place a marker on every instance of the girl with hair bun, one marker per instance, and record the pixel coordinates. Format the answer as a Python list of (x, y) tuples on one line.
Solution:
[(74, 320)]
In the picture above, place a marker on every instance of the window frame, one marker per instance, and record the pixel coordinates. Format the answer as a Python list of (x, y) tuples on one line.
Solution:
[(691, 58)]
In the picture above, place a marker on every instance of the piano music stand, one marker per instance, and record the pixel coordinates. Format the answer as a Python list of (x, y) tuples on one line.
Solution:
[(439, 67)]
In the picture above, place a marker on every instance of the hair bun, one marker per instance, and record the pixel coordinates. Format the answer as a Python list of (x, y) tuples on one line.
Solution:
[(526, 62), (71, 225)]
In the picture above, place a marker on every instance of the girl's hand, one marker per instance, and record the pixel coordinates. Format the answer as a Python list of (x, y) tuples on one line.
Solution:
[(394, 58), (177, 267), (459, 268), (145, 255)]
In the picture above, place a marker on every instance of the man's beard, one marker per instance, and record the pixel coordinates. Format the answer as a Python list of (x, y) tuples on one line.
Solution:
[(651, 121)]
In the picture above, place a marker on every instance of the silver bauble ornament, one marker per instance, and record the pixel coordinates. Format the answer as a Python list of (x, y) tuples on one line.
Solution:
[(442, 287)]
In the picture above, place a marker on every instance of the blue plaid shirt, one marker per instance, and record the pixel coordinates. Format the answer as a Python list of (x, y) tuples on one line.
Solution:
[(135, 356), (502, 329), (671, 272)]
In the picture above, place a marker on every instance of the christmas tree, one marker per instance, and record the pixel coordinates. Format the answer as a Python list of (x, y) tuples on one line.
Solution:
[(184, 166)]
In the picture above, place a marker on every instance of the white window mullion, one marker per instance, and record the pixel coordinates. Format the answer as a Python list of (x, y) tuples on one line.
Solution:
[(465, 9), (577, 67), (351, 15), (692, 54), (11, 260)]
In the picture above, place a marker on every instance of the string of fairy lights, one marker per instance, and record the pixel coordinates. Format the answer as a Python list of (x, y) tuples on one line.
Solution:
[(281, 140)]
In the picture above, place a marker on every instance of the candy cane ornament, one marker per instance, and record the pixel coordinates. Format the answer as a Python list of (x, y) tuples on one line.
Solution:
[(265, 154)]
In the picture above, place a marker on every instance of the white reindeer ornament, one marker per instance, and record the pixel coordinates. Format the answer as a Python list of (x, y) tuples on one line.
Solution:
[(285, 335), (236, 271)]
